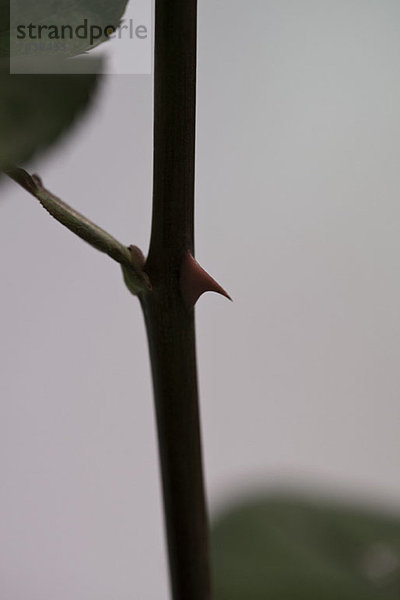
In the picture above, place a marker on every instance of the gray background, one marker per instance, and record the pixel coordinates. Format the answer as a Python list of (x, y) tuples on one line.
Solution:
[(298, 216)]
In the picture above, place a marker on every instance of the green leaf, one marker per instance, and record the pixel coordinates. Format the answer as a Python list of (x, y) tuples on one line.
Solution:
[(36, 109), (4, 27), (282, 548)]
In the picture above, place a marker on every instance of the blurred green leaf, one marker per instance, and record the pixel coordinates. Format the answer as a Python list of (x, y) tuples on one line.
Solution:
[(94, 16), (4, 27), (282, 548), (36, 109)]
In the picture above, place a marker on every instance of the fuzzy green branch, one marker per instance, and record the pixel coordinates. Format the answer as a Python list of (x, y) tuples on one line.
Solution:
[(130, 258)]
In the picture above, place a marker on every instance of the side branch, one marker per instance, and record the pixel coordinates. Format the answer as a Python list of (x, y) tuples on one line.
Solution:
[(130, 259)]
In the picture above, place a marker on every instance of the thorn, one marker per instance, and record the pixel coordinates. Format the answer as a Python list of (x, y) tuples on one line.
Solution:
[(195, 281), (37, 180)]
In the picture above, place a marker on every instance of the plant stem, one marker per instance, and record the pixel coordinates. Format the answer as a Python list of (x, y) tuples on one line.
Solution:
[(170, 324), (130, 258)]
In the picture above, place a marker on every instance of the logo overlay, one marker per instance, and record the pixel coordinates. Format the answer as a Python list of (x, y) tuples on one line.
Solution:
[(55, 37)]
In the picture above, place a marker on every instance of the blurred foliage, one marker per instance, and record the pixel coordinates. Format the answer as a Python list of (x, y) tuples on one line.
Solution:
[(283, 548), (36, 109), (4, 27)]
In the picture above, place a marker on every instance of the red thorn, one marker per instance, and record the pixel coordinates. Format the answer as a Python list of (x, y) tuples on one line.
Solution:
[(195, 281), (37, 180)]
